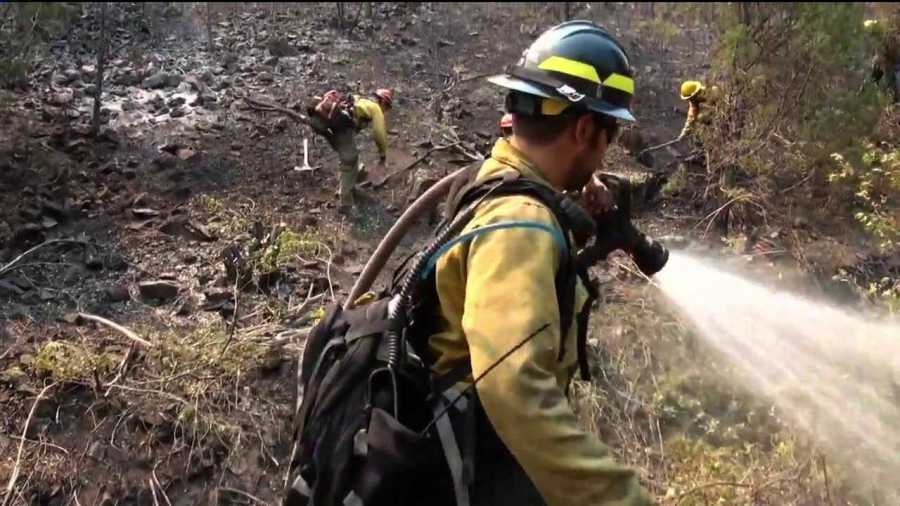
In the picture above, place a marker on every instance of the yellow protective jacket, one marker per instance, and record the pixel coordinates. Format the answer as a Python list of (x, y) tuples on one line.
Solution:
[(496, 290), (366, 111)]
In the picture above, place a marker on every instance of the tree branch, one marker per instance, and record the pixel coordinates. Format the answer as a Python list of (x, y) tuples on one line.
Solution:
[(115, 326), (259, 105)]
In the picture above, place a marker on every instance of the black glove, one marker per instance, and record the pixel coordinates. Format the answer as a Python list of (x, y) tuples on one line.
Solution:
[(615, 231)]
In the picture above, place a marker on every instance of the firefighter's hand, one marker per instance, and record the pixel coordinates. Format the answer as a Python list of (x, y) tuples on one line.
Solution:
[(597, 199)]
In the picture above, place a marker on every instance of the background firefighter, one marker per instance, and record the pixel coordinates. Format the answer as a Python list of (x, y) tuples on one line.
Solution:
[(339, 125)]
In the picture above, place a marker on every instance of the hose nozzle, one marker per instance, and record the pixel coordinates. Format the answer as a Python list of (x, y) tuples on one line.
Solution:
[(649, 255)]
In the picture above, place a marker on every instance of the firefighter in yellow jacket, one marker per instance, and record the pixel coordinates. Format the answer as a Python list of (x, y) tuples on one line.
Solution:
[(568, 93), (696, 94), (341, 135)]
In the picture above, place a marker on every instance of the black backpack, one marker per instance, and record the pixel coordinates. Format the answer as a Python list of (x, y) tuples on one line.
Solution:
[(371, 427)]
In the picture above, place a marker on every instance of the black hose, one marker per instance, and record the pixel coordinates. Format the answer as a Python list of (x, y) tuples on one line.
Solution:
[(399, 310)]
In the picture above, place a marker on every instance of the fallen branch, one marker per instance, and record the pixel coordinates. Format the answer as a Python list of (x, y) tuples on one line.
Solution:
[(8, 267), (798, 183), (419, 160), (18, 466), (234, 315), (663, 145), (466, 79), (267, 107), (121, 369), (115, 326), (159, 486), (40, 443), (153, 491)]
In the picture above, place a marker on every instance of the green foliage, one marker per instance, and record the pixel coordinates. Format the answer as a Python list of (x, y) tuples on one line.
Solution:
[(799, 68), (201, 348), (873, 175), (69, 362), (287, 246)]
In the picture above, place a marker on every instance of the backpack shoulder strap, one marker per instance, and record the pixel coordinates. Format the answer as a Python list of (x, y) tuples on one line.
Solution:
[(511, 183)]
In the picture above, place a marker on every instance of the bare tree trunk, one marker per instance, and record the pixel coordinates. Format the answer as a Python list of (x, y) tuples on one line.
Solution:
[(101, 62), (209, 34), (340, 14)]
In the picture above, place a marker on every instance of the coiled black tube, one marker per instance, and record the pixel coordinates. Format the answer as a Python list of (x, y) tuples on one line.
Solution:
[(399, 309)]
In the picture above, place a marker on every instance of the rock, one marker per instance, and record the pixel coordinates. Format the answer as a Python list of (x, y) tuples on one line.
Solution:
[(184, 87), (178, 112), (164, 161), (160, 290), (145, 213), (221, 85), (271, 61), (109, 135), (63, 97), (265, 78), (189, 258), (90, 90), (67, 77), (130, 105), (236, 146), (88, 70), (128, 78), (185, 308), (176, 101), (181, 226), (8, 290), (309, 220), (173, 80), (48, 222), (271, 360), (280, 47), (170, 148), (182, 192), (156, 81), (156, 103), (207, 77)]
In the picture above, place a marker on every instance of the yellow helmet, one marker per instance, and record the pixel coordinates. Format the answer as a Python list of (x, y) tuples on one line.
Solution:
[(691, 88)]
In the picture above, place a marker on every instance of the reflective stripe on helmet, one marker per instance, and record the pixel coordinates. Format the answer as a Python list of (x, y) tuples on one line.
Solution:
[(620, 82), (570, 67)]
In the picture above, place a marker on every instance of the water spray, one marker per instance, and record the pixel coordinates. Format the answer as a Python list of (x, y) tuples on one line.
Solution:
[(829, 372)]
